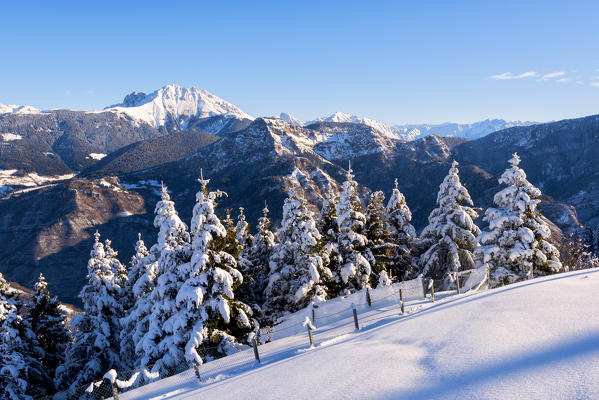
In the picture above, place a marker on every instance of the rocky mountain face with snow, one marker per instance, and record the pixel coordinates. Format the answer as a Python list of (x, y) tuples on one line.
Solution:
[(409, 132), (119, 156), (178, 107)]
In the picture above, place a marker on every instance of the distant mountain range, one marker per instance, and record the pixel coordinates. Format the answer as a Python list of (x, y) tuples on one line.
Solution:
[(408, 132), (64, 174)]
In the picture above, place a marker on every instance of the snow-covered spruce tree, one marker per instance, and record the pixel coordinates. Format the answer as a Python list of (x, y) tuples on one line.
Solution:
[(231, 245), (254, 266), (120, 272), (378, 234), (171, 250), (242, 231), (327, 221), (329, 234), (48, 322), (22, 376), (208, 315), (402, 234), (516, 244), (448, 241), (355, 267), (95, 346), (297, 275), (140, 280)]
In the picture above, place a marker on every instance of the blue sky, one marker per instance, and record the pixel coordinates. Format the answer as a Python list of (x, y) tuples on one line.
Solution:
[(396, 61)]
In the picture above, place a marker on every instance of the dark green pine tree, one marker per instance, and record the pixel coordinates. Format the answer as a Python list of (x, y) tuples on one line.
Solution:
[(379, 236), (48, 322), (254, 265), (230, 245)]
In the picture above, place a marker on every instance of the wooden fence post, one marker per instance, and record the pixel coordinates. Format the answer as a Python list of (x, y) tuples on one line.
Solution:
[(197, 371), (368, 298), (255, 346), (432, 290), (353, 306), (115, 391), (403, 310), (488, 277), (310, 335), (457, 282), (313, 313)]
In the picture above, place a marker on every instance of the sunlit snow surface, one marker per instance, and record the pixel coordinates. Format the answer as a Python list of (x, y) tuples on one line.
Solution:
[(537, 339)]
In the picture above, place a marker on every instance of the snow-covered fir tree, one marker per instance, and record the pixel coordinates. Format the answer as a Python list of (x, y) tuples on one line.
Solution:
[(329, 235), (297, 274), (171, 250), (327, 219), (353, 272), (254, 265), (402, 235), (378, 234), (231, 245), (120, 272), (208, 315), (516, 244), (96, 332), (139, 283), (48, 322), (242, 231), (22, 376), (447, 243)]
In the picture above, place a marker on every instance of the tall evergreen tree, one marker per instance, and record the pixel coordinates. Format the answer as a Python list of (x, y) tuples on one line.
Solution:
[(139, 283), (95, 346), (48, 322), (254, 265), (22, 376), (242, 231), (171, 250), (402, 234), (378, 234), (327, 221), (448, 241), (297, 273), (208, 313), (329, 236), (356, 258), (517, 243), (230, 243)]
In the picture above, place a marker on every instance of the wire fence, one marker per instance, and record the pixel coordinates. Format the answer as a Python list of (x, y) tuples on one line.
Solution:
[(328, 322)]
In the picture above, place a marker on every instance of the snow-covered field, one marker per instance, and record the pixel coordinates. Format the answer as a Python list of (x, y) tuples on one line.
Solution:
[(537, 339)]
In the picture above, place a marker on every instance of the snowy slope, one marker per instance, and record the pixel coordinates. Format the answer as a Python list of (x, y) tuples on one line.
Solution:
[(537, 339), (179, 102)]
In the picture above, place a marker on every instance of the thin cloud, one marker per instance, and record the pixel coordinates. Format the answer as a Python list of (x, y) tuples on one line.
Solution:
[(509, 75), (552, 75), (595, 84), (562, 80)]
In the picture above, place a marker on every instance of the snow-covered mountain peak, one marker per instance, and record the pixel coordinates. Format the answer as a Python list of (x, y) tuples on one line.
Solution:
[(387, 130), (290, 119), (12, 108), (177, 102)]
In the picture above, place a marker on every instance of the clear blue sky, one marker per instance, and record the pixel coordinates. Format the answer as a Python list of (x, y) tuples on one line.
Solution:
[(396, 61)]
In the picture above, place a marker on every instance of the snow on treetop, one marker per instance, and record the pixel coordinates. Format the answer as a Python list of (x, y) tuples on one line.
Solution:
[(515, 160)]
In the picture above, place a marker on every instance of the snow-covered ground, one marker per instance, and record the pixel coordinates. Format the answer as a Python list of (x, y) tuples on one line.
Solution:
[(537, 339)]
